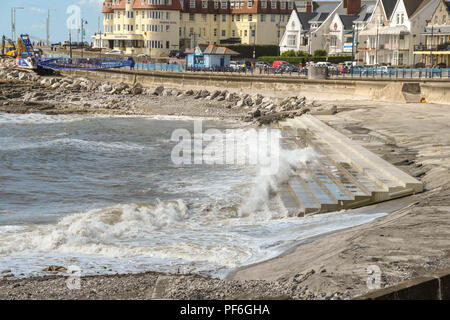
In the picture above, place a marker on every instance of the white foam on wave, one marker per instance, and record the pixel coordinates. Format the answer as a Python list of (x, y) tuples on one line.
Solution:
[(86, 145), (38, 118)]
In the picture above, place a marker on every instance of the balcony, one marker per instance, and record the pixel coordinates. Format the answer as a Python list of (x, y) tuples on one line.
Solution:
[(426, 47)]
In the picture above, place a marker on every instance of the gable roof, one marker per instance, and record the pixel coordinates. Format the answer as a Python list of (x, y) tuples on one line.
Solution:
[(305, 17), (347, 20), (213, 49), (411, 6), (389, 6)]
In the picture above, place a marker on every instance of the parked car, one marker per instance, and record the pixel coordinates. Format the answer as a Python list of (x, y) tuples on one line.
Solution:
[(262, 64), (244, 64), (143, 55), (287, 68), (180, 55), (173, 53), (277, 63), (115, 52), (234, 65)]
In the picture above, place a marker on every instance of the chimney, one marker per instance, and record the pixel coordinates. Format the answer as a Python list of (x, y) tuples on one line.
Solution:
[(352, 6), (308, 7)]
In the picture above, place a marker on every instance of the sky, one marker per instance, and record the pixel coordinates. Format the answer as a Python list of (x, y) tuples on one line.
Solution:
[(33, 18)]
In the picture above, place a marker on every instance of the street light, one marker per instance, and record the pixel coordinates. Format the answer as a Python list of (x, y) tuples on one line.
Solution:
[(13, 21), (83, 22), (431, 43)]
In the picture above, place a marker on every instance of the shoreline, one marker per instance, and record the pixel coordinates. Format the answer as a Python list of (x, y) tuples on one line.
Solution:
[(406, 243)]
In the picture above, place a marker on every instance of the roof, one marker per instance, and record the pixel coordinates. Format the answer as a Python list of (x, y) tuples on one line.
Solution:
[(389, 6), (347, 20), (411, 6), (213, 49), (327, 7), (305, 17)]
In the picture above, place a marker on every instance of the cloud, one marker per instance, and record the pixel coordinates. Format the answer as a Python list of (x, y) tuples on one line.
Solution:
[(92, 3), (35, 10), (38, 26)]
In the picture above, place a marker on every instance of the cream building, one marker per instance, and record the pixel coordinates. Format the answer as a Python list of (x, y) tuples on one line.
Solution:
[(223, 22), (141, 26), (157, 26)]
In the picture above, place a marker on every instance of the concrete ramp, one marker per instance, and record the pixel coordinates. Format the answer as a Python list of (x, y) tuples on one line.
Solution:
[(345, 175), (408, 92)]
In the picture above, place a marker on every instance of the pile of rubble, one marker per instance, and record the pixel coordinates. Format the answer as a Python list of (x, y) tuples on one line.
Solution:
[(257, 108)]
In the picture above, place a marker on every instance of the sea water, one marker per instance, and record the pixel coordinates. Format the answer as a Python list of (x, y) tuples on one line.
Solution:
[(103, 193)]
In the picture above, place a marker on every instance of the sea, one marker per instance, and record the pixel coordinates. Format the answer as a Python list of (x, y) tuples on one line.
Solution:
[(108, 195)]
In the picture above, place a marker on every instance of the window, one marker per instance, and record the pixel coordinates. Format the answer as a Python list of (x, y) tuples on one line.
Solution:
[(204, 4), (264, 4), (263, 17), (250, 17), (215, 32), (272, 17), (224, 33), (167, 15), (215, 17), (167, 44), (204, 16), (233, 33), (224, 17), (402, 18), (169, 2), (245, 33), (273, 4), (192, 4), (398, 18), (283, 5), (444, 19), (291, 40), (290, 5), (238, 17), (167, 28), (436, 21), (249, 4), (191, 16), (216, 4), (253, 33), (224, 4), (232, 18)]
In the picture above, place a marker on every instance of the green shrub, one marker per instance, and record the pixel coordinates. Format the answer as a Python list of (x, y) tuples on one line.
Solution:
[(246, 50), (320, 53)]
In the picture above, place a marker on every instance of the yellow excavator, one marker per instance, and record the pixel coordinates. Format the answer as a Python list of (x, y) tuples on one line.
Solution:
[(9, 48)]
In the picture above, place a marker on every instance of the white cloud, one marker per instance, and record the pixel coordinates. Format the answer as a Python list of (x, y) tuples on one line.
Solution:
[(92, 3), (35, 10)]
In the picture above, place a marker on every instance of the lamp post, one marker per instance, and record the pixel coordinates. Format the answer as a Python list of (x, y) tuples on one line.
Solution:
[(253, 31), (13, 21), (83, 22), (431, 43)]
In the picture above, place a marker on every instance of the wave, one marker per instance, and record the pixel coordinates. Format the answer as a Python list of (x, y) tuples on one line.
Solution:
[(86, 145)]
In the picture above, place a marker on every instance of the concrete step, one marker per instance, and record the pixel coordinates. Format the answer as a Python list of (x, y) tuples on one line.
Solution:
[(379, 164), (354, 157), (344, 175)]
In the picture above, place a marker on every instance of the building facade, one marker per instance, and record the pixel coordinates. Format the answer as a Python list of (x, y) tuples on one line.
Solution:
[(157, 26), (330, 26), (394, 30), (436, 49), (258, 22)]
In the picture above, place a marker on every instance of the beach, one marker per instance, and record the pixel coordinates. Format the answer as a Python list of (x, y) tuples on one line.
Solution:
[(411, 240)]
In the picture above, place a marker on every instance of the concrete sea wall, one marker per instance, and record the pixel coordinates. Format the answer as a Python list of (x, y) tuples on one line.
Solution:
[(434, 91)]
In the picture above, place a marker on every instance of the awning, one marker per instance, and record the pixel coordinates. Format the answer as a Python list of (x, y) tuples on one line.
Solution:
[(121, 37), (384, 30)]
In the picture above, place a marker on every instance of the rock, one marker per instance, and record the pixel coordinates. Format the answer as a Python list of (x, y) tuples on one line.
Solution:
[(55, 85), (189, 93), (55, 269), (325, 110), (105, 87), (158, 91), (214, 95), (256, 113), (137, 89)]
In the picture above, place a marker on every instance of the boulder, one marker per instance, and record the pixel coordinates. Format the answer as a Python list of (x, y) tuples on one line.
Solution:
[(158, 91), (137, 89)]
